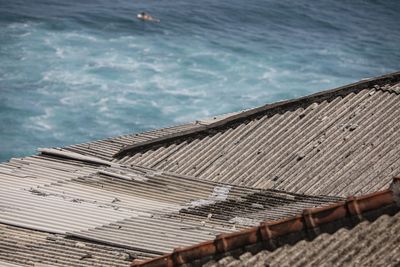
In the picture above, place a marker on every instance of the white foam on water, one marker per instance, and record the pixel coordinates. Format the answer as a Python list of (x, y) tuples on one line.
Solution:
[(60, 52), (190, 92), (25, 34), (71, 79), (79, 35), (103, 105), (125, 101), (19, 25), (42, 122), (121, 76)]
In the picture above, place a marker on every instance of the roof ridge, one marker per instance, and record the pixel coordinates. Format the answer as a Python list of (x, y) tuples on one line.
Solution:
[(376, 83), (309, 222)]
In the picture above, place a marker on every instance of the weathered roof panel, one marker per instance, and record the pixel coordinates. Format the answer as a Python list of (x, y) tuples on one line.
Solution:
[(348, 145), (24, 247), (9, 264), (368, 244), (273, 235), (105, 149), (287, 145), (132, 207), (382, 83), (185, 184)]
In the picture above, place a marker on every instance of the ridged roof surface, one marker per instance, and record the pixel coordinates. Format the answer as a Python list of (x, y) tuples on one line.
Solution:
[(367, 244), (345, 144), (23, 247), (105, 149), (147, 211), (155, 191)]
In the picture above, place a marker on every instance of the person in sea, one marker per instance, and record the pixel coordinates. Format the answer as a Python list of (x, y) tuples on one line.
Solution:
[(144, 16)]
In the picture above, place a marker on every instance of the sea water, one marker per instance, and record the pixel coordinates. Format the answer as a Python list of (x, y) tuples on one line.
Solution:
[(74, 71)]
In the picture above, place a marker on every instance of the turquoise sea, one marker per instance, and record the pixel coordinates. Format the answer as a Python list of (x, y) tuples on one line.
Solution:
[(74, 71)]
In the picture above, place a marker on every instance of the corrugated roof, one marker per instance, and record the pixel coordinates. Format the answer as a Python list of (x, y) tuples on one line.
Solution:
[(24, 247), (133, 207), (23, 203), (272, 235), (9, 264), (368, 244), (107, 148), (340, 142)]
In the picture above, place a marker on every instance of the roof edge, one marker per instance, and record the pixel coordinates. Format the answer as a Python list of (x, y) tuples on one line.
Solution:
[(309, 221), (251, 113)]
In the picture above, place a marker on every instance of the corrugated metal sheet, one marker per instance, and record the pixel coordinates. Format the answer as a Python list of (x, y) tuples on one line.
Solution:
[(342, 146), (270, 235), (161, 232), (105, 149), (153, 201), (391, 88), (23, 247), (32, 209), (368, 244), (156, 234), (137, 208), (9, 264), (23, 203)]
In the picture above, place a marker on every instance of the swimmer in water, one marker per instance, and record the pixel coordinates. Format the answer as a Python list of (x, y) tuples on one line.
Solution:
[(144, 16)]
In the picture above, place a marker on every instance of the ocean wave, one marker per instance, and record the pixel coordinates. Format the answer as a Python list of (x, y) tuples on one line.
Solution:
[(92, 70)]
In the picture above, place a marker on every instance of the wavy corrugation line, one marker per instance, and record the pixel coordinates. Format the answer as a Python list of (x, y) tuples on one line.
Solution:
[(342, 146), (368, 244), (81, 196), (272, 235)]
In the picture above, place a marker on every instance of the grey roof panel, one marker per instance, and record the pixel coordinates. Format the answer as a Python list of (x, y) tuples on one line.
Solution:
[(105, 149), (367, 244), (379, 83), (9, 264), (133, 207), (187, 183), (24, 247), (325, 148), (318, 144)]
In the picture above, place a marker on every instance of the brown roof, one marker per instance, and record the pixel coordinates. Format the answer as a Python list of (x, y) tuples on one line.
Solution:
[(272, 234)]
